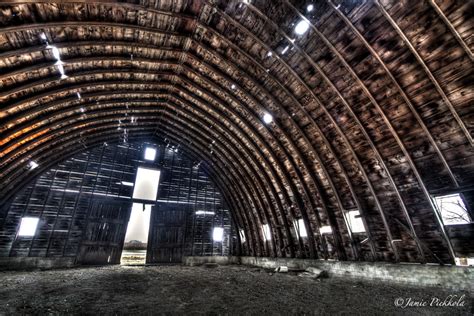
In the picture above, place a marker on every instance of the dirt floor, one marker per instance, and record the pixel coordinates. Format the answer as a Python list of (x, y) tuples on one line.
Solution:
[(232, 290)]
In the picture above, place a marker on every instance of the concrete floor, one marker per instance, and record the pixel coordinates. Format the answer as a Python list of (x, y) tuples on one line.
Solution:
[(200, 290)]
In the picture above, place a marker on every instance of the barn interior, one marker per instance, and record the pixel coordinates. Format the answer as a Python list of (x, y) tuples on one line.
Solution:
[(236, 157)]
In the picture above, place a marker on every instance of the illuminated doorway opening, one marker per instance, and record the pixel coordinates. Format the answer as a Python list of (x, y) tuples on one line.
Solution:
[(145, 189), (136, 238)]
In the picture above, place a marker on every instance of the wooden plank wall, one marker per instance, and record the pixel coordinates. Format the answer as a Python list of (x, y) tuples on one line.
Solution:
[(372, 108), (73, 199)]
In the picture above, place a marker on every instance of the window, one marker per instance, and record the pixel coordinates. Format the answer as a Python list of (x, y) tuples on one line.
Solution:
[(266, 232), (267, 118), (218, 234), (464, 261), (300, 228), (325, 230), (354, 220), (33, 165), (204, 213), (28, 226), (242, 235), (146, 184), (453, 210), (150, 153), (301, 27)]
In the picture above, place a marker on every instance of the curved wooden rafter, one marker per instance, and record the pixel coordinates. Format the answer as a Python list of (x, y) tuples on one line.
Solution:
[(198, 73), (189, 69), (428, 72), (273, 174)]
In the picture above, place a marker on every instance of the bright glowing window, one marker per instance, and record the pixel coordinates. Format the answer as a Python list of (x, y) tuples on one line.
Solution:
[(139, 223), (300, 228), (146, 184), (150, 153), (242, 235), (266, 232), (301, 27), (453, 210), (204, 213), (325, 230), (28, 226), (267, 118), (218, 234), (355, 222)]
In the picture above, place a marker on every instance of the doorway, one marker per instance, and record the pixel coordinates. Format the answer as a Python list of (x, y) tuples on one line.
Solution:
[(136, 237)]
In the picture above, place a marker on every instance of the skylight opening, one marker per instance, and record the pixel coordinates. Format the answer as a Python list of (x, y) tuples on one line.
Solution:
[(59, 63), (267, 118), (150, 153), (55, 52), (28, 226), (302, 27), (218, 234), (33, 165)]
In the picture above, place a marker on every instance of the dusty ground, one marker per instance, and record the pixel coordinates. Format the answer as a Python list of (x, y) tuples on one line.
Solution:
[(199, 290)]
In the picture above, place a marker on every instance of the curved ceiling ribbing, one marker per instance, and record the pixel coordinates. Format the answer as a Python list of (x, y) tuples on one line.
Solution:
[(372, 107)]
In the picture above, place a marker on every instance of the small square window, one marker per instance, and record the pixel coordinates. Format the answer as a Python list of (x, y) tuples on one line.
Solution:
[(150, 154), (453, 210), (354, 220), (325, 230), (218, 234), (28, 226)]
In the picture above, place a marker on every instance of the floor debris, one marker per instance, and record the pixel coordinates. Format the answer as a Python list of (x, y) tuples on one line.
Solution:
[(229, 290)]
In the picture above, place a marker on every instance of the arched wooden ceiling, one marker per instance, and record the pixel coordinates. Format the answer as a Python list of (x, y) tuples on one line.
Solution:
[(372, 107)]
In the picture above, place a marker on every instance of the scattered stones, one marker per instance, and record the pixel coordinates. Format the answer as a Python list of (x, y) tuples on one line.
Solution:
[(281, 269), (211, 265), (313, 272), (227, 290)]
